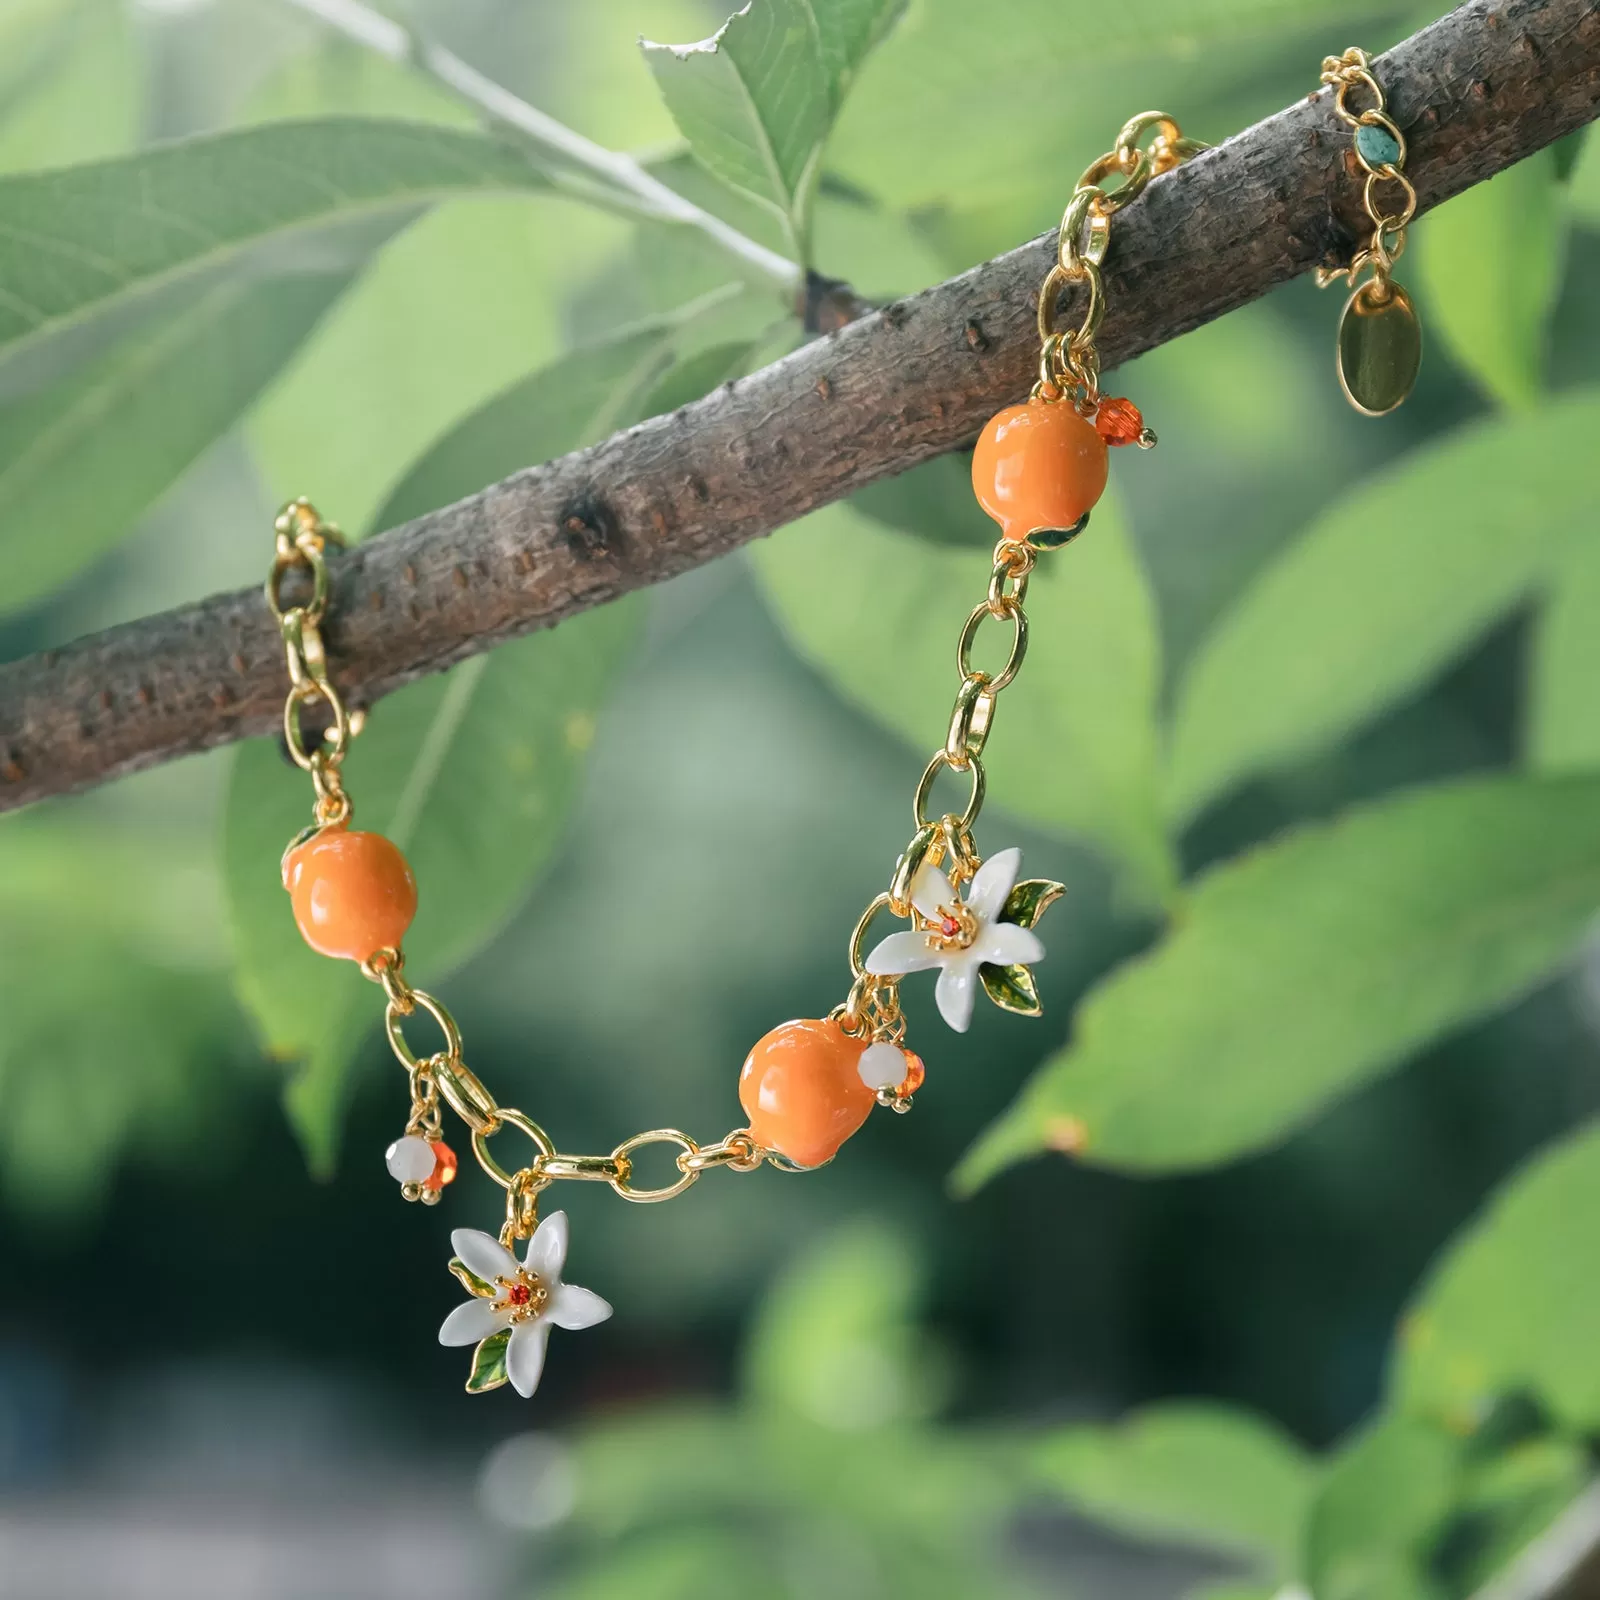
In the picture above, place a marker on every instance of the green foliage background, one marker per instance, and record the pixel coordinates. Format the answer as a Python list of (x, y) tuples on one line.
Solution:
[(1307, 726)]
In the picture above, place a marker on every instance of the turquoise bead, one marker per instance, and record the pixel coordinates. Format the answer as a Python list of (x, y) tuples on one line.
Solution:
[(1377, 145)]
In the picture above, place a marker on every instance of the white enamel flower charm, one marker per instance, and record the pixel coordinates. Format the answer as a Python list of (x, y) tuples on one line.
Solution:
[(986, 937), (514, 1305)]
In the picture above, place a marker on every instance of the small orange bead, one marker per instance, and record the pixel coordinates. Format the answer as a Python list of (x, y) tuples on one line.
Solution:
[(353, 893), (444, 1166), (1118, 421), (915, 1073), (1038, 465), (801, 1091)]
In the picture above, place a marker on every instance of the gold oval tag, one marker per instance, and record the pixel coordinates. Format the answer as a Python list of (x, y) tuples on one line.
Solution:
[(1380, 349)]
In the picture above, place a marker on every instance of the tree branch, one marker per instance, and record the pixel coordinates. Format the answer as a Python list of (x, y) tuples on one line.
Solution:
[(1478, 90)]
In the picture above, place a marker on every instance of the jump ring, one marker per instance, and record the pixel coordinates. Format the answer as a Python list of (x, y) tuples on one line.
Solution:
[(624, 1187), (525, 1125), (975, 775)]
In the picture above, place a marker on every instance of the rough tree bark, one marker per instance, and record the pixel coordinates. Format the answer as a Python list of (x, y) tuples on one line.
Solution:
[(1476, 91)]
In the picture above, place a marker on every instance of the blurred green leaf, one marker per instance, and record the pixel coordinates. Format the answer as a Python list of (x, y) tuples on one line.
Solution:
[(936, 115), (336, 77), (933, 501), (1583, 186), (757, 99), (471, 773), (79, 242), (697, 375), (1383, 589), (1507, 1502), (84, 458), (1508, 1309), (685, 1563), (666, 1463), (1563, 720), (1491, 307), (138, 1069), (578, 399), (1191, 1472), (1303, 969), (464, 303), (1381, 1503), (1075, 746), (824, 1453), (834, 1341), (70, 81)]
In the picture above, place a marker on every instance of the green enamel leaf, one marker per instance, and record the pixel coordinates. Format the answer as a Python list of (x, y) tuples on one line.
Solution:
[(1384, 589), (1030, 899), (470, 1281), (757, 99), (1491, 308), (1209, 1474), (1305, 968), (1074, 746), (1012, 989), (489, 1363), (1509, 1309)]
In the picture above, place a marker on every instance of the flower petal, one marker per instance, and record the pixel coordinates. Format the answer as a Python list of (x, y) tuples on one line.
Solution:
[(1002, 944), (525, 1355), (956, 990), (986, 899), (547, 1249), (901, 953), (930, 889), (483, 1254), (572, 1307), (471, 1321)]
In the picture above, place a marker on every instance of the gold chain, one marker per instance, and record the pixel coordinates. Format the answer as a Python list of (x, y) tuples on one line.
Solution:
[(302, 542), (1069, 365), (1382, 155), (1069, 362)]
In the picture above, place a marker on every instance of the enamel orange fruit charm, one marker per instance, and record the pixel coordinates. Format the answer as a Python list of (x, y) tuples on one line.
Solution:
[(802, 1092), (1038, 466)]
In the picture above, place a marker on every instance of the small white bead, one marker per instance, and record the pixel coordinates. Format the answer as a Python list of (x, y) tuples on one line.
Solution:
[(882, 1066), (410, 1160)]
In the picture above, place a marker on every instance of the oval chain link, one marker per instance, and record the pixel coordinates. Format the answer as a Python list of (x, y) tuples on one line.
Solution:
[(302, 538)]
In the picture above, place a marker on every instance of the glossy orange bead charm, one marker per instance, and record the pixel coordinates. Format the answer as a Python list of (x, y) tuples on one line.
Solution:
[(353, 893), (1038, 466), (801, 1091)]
